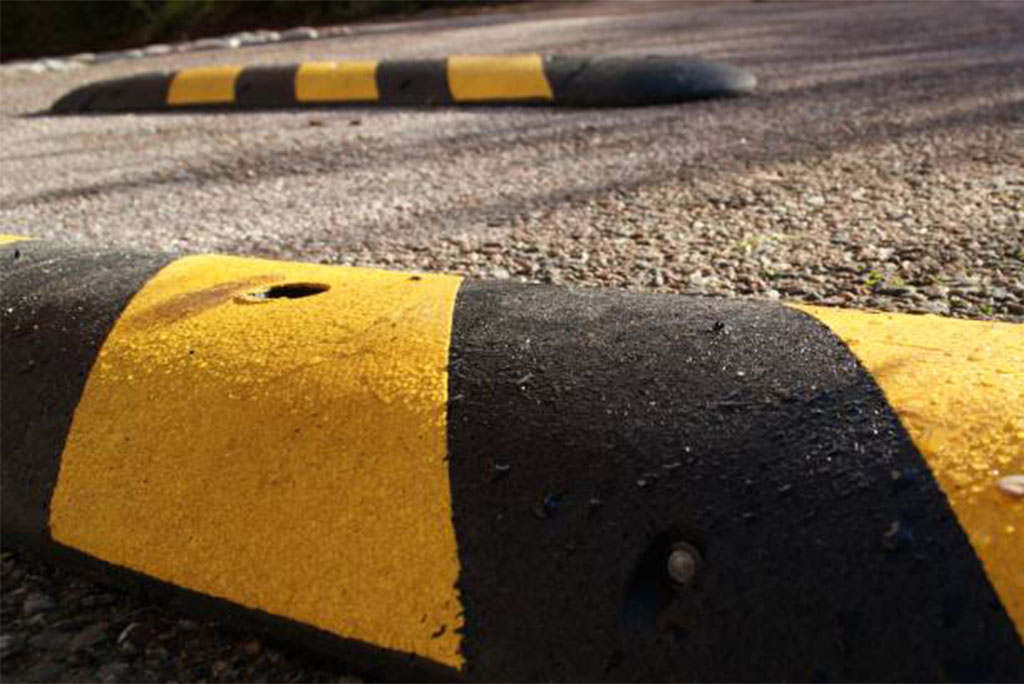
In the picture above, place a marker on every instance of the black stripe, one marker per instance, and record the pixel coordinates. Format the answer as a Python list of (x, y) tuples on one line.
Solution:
[(590, 431), (57, 305), (413, 82), (266, 87), (146, 92)]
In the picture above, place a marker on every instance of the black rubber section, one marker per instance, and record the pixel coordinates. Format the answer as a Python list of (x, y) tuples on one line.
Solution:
[(589, 431), (57, 305), (145, 92), (265, 87), (603, 81), (413, 82)]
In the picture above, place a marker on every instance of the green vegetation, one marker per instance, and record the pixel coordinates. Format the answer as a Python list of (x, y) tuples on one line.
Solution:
[(30, 28), (874, 279)]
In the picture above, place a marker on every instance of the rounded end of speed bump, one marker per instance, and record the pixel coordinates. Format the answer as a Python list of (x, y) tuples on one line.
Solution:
[(643, 80), (595, 485)]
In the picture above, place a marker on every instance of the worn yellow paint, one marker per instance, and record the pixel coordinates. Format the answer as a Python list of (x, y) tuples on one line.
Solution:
[(352, 80), (511, 77), (958, 388), (203, 85), (285, 454), (5, 239)]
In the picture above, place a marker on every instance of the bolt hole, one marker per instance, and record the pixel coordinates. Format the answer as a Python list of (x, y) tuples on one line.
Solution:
[(288, 291), (667, 566)]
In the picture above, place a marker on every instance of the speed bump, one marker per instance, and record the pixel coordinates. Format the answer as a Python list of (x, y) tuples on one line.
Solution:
[(433, 477), (581, 81)]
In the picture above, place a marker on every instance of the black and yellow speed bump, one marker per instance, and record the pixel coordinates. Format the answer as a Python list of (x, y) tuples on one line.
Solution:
[(433, 477), (588, 81)]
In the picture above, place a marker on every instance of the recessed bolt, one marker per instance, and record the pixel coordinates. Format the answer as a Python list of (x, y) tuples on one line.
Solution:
[(683, 562)]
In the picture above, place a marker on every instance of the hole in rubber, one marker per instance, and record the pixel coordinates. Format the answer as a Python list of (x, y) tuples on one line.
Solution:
[(671, 563), (285, 291)]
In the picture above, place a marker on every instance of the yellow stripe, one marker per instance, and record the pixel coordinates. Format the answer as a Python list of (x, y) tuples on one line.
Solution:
[(285, 454), (6, 239), (352, 80), (958, 388), (203, 85), (511, 77)]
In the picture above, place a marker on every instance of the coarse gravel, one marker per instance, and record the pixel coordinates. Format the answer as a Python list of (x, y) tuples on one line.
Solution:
[(878, 166)]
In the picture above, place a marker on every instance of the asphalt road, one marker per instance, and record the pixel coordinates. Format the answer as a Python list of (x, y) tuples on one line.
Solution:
[(312, 185), (877, 165)]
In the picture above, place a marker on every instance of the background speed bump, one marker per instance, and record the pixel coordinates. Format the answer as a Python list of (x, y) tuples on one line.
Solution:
[(434, 477), (587, 81)]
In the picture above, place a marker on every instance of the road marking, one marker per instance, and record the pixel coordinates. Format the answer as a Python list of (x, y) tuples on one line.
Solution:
[(287, 454), (353, 80), (203, 85), (958, 389), (478, 78), (6, 239)]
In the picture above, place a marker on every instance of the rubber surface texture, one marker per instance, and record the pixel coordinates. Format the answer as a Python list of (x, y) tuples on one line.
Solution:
[(591, 430), (59, 303)]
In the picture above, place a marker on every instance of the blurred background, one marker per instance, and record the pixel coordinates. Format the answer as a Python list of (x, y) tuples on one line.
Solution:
[(71, 26)]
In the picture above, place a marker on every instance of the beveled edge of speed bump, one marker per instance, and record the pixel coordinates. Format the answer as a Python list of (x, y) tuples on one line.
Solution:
[(575, 81)]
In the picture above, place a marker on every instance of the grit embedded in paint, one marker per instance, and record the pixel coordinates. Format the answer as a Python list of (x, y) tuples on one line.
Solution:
[(285, 456), (351, 80), (203, 85), (478, 78)]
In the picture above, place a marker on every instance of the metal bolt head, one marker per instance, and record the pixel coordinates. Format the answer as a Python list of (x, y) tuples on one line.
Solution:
[(683, 562)]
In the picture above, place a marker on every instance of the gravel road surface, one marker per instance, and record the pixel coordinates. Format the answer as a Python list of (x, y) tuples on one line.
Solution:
[(877, 166)]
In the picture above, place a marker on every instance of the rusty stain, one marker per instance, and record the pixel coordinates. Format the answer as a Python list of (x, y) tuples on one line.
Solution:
[(193, 303)]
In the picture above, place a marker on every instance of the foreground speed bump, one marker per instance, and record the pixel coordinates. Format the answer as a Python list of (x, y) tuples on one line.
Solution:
[(588, 81), (439, 478)]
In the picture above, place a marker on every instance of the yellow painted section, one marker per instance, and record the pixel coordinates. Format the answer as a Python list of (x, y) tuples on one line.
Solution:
[(352, 80), (509, 77), (203, 85), (958, 388), (285, 454), (5, 239)]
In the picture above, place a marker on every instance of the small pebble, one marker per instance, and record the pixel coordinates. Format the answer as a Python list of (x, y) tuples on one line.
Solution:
[(90, 636), (36, 603)]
